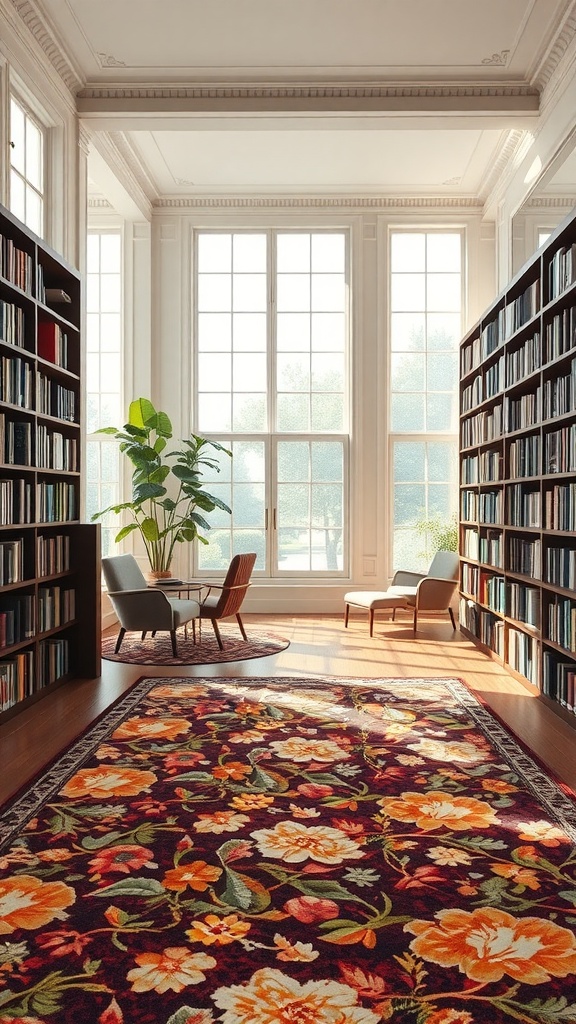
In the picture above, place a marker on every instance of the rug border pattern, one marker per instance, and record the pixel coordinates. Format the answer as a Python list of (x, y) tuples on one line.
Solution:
[(542, 786)]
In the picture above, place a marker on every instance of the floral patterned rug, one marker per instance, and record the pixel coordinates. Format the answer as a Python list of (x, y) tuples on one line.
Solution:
[(157, 650), (290, 851)]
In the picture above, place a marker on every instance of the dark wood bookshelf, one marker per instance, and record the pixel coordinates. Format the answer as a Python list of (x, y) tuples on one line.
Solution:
[(48, 557), (526, 341)]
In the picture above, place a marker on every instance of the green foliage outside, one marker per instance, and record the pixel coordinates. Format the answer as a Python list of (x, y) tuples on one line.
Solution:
[(440, 534)]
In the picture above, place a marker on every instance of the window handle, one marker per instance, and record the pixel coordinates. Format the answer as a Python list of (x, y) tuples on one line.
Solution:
[(274, 519)]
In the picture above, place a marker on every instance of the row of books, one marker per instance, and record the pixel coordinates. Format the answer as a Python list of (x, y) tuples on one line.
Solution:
[(16, 381), (558, 680), (17, 622), (484, 426), (562, 622), (53, 399), (11, 561), (470, 576), (16, 679), (560, 567), (11, 324), (523, 361), (523, 603), (484, 386), (522, 654), (525, 556), (524, 506), (15, 502), (469, 506), (560, 450), (560, 507), (16, 265), (52, 343), (523, 411), (54, 660), (524, 457), (561, 270), (560, 394), (490, 548), (491, 506), (15, 441), (56, 502), (469, 469), (491, 591), (56, 607), (55, 451), (52, 554), (521, 309), (560, 334)]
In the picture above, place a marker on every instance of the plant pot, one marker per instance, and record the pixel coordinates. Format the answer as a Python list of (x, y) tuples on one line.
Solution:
[(160, 574)]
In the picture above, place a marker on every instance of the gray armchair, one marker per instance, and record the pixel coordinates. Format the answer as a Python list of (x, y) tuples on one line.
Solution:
[(140, 607), (431, 591)]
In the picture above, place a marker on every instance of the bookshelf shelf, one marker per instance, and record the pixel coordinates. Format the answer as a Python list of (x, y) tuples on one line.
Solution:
[(518, 475), (49, 559)]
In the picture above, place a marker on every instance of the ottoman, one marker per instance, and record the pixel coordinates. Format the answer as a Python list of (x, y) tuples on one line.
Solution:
[(372, 600)]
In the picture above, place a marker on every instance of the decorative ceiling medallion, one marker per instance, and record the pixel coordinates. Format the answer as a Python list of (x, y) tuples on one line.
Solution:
[(452, 181), (106, 60), (184, 181), (500, 59)]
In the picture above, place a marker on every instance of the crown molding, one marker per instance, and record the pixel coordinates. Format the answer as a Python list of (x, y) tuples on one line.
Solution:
[(29, 14), (119, 157), (335, 202), (504, 160), (98, 204), (567, 203), (562, 40), (330, 96)]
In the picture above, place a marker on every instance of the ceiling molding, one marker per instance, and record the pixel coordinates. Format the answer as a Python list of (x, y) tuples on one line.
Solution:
[(560, 44), (133, 163), (119, 157), (317, 202), (501, 165), (503, 98), (44, 36), (567, 202), (98, 204)]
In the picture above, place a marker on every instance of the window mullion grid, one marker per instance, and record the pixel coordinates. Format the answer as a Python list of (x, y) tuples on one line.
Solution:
[(271, 496)]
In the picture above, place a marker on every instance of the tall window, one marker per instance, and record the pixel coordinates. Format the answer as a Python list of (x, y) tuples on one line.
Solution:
[(272, 383), (104, 376), (425, 331), (26, 167)]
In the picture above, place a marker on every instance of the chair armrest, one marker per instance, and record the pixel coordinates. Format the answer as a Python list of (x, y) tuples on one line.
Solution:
[(408, 579), (142, 609), (434, 594)]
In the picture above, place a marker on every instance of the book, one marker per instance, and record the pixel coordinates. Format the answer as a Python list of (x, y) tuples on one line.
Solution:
[(56, 295)]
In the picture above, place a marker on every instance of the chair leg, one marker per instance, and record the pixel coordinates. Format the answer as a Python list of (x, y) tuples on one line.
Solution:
[(121, 636), (452, 617), (415, 621), (241, 624), (174, 644), (393, 614), (371, 622), (143, 637), (217, 632), (346, 613)]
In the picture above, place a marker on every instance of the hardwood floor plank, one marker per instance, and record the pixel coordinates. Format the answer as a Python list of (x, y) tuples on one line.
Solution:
[(319, 645)]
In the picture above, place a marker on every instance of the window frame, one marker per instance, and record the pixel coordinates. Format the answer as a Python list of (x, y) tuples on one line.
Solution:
[(271, 437), (32, 117)]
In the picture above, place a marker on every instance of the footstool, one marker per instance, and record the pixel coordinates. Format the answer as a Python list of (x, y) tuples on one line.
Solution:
[(372, 600)]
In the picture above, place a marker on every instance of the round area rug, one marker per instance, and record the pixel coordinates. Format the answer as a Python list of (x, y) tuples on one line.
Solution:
[(157, 650)]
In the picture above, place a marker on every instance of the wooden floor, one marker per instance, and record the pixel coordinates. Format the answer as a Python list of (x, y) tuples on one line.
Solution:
[(319, 646)]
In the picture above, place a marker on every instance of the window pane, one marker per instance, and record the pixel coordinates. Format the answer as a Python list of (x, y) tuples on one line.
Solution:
[(33, 155), (408, 292), (214, 332), (408, 372), (110, 293), (444, 252), (249, 253), (328, 332), (214, 372), (293, 292), (327, 413), (214, 254), (93, 253), (214, 412), (293, 412), (409, 460), (249, 413), (110, 332), (407, 332), (407, 412), (444, 292), (293, 332), (328, 372), (293, 253), (442, 372), (249, 330), (249, 372), (293, 372), (17, 196), (444, 330), (328, 293), (249, 292), (328, 253), (214, 292), (17, 138), (33, 210), (408, 252), (110, 253)]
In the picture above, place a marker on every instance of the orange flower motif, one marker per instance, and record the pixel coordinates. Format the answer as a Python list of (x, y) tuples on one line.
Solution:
[(232, 770), (434, 810), (310, 909), (323, 1002), (220, 821), (522, 876), (181, 692), (27, 902), (449, 750), (151, 728), (367, 936), (293, 842), (122, 859), (106, 781), (197, 875), (299, 952), (541, 831), (172, 970), (488, 943), (498, 786), (55, 855), (251, 801), (219, 930), (300, 748), (450, 1017)]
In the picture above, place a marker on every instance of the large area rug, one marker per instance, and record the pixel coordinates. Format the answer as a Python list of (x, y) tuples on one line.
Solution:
[(157, 650), (290, 851)]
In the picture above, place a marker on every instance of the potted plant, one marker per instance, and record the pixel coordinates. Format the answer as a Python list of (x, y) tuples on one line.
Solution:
[(164, 515)]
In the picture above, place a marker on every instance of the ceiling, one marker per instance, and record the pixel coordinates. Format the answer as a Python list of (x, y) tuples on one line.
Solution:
[(427, 98)]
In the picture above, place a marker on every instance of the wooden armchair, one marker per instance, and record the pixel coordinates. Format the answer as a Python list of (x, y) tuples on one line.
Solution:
[(230, 594)]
